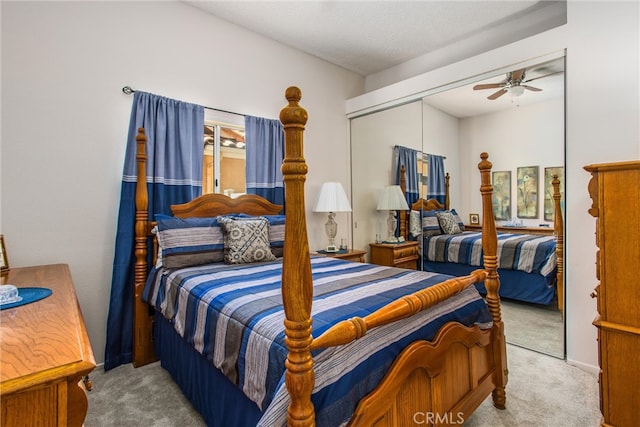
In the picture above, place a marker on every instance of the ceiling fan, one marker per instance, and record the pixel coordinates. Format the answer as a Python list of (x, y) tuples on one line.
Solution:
[(514, 83)]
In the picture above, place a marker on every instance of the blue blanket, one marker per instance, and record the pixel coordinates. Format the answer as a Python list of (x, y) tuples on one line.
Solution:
[(233, 315), (522, 252)]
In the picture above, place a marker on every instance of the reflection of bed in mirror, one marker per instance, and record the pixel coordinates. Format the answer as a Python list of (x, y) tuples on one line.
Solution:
[(530, 265)]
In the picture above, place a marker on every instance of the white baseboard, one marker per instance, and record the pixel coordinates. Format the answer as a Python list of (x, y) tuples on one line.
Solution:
[(584, 366)]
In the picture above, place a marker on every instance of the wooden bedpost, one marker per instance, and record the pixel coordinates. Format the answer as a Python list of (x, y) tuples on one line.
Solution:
[(404, 229), (297, 287), (558, 226), (142, 327), (492, 283), (447, 201)]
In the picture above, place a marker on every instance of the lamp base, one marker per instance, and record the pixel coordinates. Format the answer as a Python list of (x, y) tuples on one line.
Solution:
[(391, 228), (331, 228)]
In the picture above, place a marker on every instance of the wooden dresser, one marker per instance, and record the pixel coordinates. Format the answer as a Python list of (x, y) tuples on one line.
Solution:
[(402, 255), (44, 353), (615, 192)]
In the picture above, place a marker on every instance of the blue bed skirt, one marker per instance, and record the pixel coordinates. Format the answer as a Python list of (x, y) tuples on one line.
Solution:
[(218, 401), (514, 284)]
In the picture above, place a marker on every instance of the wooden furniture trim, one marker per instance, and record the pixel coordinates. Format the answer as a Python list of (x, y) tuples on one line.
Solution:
[(297, 293), (614, 190), (45, 349), (381, 251), (219, 204)]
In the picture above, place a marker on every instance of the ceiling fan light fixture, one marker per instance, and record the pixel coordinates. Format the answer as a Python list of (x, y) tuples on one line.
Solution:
[(515, 91)]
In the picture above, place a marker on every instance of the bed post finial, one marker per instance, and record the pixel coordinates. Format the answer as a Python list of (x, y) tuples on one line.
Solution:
[(297, 287), (558, 226), (492, 283)]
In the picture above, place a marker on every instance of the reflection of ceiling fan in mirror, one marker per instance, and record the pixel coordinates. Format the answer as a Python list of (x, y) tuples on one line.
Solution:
[(513, 84)]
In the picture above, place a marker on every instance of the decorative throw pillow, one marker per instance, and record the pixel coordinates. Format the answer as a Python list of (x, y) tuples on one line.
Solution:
[(430, 224), (414, 223), (276, 231), (183, 242), (458, 219), (246, 240), (448, 223)]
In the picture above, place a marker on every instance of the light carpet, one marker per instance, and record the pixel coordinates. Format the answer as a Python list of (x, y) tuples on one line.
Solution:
[(534, 326), (542, 391)]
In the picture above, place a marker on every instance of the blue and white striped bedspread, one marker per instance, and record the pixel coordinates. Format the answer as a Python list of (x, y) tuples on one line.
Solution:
[(523, 252), (233, 315)]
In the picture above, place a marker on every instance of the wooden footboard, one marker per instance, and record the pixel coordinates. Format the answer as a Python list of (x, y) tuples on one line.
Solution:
[(441, 382)]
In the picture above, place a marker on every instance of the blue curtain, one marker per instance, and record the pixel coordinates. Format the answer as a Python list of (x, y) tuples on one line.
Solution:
[(409, 158), (264, 155), (435, 179), (175, 133)]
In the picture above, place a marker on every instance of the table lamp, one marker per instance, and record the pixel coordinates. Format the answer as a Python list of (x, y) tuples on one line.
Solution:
[(392, 200), (332, 199)]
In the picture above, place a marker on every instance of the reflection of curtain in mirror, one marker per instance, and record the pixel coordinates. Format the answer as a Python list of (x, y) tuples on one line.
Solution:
[(174, 131), (264, 155), (409, 158), (436, 186)]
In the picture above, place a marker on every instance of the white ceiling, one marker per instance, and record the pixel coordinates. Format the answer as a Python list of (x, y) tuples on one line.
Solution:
[(367, 37)]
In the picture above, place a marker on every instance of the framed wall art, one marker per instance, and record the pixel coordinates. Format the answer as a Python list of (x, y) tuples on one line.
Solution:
[(474, 219), (501, 195), (527, 192), (548, 190)]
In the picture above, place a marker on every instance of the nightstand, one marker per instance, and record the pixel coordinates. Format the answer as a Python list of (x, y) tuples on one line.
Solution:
[(354, 255), (402, 255)]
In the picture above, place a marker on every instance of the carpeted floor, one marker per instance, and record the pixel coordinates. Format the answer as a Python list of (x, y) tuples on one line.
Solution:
[(542, 391), (534, 326)]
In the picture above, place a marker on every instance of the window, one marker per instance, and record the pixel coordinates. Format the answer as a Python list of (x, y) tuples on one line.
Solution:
[(223, 168), (423, 172)]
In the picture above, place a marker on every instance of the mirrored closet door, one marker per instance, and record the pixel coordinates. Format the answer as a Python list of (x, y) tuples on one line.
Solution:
[(517, 116)]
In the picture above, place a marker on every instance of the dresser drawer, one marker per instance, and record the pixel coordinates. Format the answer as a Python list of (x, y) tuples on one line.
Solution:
[(402, 255)]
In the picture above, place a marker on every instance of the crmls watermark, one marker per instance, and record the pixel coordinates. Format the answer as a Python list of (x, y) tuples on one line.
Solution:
[(437, 418)]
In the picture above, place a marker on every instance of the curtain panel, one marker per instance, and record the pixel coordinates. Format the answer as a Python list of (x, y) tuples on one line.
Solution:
[(175, 134), (264, 156), (409, 158), (436, 186)]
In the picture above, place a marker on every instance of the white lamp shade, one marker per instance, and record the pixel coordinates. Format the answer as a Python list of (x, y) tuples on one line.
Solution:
[(332, 198), (392, 199)]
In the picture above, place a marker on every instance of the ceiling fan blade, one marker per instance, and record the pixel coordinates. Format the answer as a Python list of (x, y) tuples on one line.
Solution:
[(534, 89), (517, 75), (488, 86), (541, 77), (497, 94)]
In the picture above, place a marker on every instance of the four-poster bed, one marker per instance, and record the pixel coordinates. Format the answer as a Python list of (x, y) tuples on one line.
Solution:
[(429, 345)]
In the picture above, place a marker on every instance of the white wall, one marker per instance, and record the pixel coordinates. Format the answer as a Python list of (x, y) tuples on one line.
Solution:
[(441, 136), (372, 140), (532, 135), (65, 119), (602, 42), (603, 125)]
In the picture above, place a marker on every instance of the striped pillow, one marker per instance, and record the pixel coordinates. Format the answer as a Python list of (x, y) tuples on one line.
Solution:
[(189, 241), (430, 224)]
